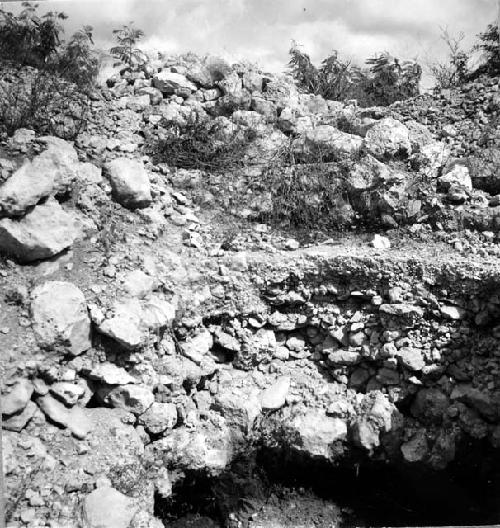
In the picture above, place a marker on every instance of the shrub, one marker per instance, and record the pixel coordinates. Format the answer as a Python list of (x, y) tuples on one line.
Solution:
[(41, 101), (454, 71), (30, 39), (202, 145), (489, 46), (126, 50), (78, 61), (391, 80), (307, 196), (385, 81), (332, 80)]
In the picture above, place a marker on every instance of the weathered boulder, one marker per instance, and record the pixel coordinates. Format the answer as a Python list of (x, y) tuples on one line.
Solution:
[(52, 172), (17, 422), (208, 447), (110, 374), (274, 397), (403, 315), (239, 408), (173, 83), (60, 317), (42, 233), (14, 401), (316, 432), (136, 399), (388, 138), (67, 392), (138, 284), (379, 416), (417, 448), (108, 508), (129, 182), (457, 176), (133, 319), (430, 406), (326, 141), (75, 419), (155, 95), (159, 417)]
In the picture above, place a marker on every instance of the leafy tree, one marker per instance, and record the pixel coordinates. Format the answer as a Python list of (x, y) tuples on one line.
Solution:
[(489, 46), (455, 71), (126, 51), (386, 80), (28, 38), (391, 80), (79, 62), (332, 79)]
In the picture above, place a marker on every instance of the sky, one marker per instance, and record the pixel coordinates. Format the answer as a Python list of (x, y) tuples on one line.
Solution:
[(260, 31)]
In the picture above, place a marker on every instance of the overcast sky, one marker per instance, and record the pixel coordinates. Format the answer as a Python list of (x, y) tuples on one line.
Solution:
[(261, 30)]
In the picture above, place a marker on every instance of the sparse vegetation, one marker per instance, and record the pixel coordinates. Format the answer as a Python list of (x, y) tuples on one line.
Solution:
[(43, 102), (126, 50), (454, 71), (489, 46), (386, 80), (202, 145)]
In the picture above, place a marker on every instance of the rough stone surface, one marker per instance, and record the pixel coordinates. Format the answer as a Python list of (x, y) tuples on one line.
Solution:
[(129, 182), (108, 508), (49, 173), (388, 138), (75, 419), (60, 317), (42, 233)]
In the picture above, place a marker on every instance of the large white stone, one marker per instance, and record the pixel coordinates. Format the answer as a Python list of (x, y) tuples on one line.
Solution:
[(60, 317), (75, 419), (136, 399), (129, 182), (326, 140), (51, 172), (108, 508), (133, 319), (42, 233), (316, 432), (173, 83), (388, 138)]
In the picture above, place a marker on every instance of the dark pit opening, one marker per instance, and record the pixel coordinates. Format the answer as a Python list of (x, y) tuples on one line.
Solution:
[(288, 487)]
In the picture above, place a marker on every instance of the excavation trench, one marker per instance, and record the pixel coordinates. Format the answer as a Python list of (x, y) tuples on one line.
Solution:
[(283, 486), (360, 392)]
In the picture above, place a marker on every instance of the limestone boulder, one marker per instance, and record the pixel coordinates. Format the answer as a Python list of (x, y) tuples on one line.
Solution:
[(274, 397), (110, 374), (133, 319), (74, 419), (388, 138), (129, 183), (60, 317), (377, 417), (159, 417), (173, 83), (50, 173), (42, 233), (136, 399), (15, 400), (108, 508), (326, 141), (316, 432), (208, 447)]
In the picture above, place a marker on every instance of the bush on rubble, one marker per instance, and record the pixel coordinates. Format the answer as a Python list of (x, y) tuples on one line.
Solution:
[(31, 39), (41, 101), (204, 145)]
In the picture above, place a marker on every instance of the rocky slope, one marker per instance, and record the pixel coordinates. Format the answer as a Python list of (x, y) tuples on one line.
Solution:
[(144, 356)]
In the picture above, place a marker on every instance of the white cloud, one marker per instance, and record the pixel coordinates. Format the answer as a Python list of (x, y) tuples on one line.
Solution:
[(261, 30)]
